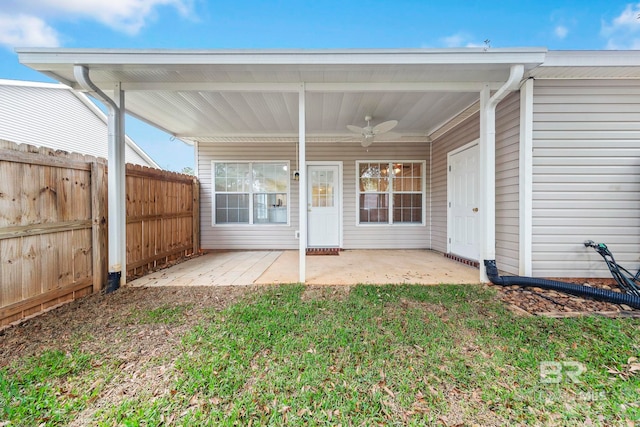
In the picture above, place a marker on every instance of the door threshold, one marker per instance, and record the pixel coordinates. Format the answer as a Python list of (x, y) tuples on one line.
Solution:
[(323, 251), (467, 261)]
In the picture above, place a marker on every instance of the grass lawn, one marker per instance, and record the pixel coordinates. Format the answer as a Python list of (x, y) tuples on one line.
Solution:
[(366, 355)]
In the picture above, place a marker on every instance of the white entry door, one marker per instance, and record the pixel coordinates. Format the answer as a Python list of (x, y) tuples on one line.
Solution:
[(462, 182), (323, 206)]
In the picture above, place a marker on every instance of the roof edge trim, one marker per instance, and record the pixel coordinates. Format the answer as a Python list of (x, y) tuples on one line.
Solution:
[(280, 57)]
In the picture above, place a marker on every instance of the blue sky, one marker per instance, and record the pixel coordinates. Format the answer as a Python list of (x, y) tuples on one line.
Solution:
[(202, 24)]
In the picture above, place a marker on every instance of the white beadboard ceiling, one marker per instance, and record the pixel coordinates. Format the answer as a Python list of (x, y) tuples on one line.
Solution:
[(240, 95)]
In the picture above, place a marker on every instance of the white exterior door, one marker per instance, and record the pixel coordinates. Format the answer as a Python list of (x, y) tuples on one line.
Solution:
[(323, 206), (463, 202)]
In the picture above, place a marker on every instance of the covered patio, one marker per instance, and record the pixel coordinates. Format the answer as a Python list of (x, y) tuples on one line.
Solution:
[(351, 267), (296, 109)]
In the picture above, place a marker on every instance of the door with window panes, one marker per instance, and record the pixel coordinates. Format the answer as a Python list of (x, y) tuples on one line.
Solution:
[(323, 206)]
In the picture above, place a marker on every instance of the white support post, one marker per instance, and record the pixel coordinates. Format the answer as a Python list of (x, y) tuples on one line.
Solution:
[(117, 197), (302, 183), (526, 178), (487, 181)]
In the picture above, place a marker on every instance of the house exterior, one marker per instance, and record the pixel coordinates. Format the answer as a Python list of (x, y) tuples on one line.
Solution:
[(517, 155), (55, 116)]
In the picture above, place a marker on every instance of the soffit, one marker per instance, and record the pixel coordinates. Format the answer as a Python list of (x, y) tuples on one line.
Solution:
[(204, 95)]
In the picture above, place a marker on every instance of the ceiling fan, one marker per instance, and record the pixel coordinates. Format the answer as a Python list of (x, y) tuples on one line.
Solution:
[(368, 133)]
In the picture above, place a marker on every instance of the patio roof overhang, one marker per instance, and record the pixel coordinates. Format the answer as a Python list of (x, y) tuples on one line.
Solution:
[(243, 95), (290, 95)]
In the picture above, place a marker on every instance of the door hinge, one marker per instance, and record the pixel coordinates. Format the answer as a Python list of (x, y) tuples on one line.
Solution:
[(449, 239), (449, 204), (449, 168)]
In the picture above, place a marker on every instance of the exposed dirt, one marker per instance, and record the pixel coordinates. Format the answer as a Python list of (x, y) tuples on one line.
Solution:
[(106, 326), (108, 320)]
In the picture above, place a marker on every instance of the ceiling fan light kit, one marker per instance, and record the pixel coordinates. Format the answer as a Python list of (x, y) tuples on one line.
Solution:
[(368, 133)]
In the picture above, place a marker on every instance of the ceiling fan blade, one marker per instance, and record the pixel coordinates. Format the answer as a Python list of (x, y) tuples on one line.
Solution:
[(354, 138), (389, 136), (365, 142), (356, 129), (384, 127)]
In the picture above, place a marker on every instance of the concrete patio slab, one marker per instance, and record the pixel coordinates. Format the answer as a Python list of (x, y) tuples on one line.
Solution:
[(349, 268), (371, 267), (213, 269)]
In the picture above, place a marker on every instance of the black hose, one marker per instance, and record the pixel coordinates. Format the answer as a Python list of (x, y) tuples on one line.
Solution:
[(568, 288)]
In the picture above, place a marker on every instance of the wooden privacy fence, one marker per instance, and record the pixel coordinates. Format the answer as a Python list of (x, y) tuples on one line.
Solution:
[(163, 222), (53, 225)]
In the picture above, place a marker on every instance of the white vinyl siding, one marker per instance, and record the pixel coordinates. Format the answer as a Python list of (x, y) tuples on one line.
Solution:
[(242, 236), (586, 175), (464, 133), (507, 183), (507, 139), (396, 236), (55, 118)]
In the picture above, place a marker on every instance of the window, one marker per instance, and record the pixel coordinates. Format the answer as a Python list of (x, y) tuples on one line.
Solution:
[(251, 192), (390, 192)]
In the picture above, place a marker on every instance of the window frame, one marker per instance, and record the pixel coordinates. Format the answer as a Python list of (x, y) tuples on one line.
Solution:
[(251, 194), (390, 193)]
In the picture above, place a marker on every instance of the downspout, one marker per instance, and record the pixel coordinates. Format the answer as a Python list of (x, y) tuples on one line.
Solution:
[(513, 82), (488, 106), (116, 177)]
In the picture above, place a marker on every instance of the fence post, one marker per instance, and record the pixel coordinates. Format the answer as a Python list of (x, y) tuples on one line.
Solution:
[(99, 225), (195, 188)]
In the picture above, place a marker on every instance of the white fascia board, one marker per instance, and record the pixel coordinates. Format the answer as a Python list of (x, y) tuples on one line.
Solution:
[(592, 58), (107, 57)]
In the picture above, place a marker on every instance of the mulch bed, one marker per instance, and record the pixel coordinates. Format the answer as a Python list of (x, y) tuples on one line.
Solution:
[(542, 302)]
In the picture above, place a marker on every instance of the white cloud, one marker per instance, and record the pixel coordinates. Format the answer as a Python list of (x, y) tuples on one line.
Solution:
[(460, 39), (128, 16), (455, 40), (561, 31), (623, 32), (25, 30), (26, 20)]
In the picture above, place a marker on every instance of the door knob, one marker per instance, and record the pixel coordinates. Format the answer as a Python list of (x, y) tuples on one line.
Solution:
[(475, 209)]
